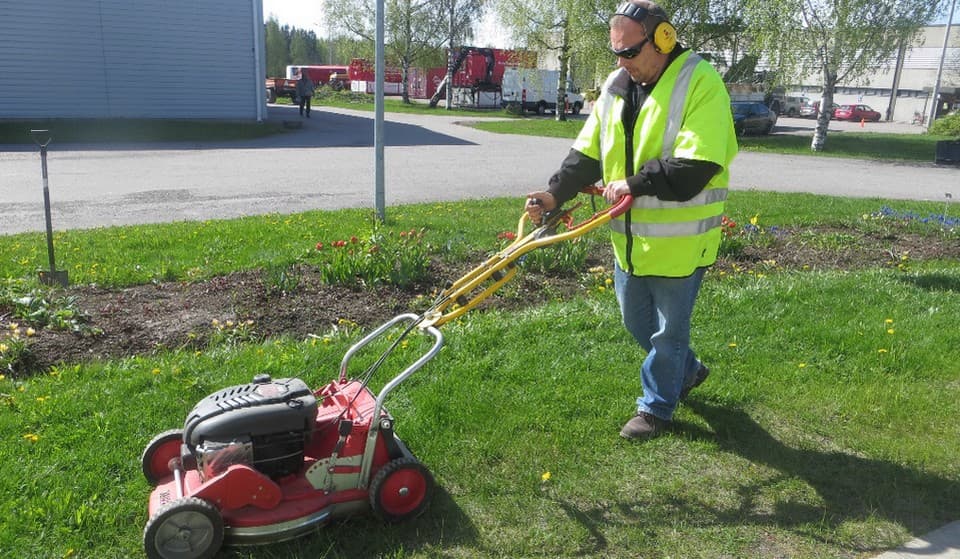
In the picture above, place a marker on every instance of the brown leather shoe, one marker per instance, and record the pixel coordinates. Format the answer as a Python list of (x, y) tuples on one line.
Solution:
[(644, 426), (702, 373)]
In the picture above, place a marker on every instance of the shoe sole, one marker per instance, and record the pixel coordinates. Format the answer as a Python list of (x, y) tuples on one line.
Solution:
[(696, 382)]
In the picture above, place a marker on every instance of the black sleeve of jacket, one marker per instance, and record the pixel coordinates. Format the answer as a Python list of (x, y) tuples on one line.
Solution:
[(672, 179), (576, 172)]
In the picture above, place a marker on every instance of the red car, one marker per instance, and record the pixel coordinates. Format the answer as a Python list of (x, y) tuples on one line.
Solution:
[(856, 112)]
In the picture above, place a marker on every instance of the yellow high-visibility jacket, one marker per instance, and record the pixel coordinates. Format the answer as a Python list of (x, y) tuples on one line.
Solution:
[(686, 115)]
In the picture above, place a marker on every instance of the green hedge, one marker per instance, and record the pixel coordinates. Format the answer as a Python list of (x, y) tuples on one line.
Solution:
[(946, 126)]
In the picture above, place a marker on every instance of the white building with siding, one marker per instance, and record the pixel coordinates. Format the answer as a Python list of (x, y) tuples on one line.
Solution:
[(190, 59)]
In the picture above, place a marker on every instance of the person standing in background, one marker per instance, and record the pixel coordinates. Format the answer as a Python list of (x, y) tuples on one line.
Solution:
[(305, 88)]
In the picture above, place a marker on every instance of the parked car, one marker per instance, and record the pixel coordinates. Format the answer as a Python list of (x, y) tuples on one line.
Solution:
[(792, 105), (856, 112), (808, 109), (812, 110), (752, 117)]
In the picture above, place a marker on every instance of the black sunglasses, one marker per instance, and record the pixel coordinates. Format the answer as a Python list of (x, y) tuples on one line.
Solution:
[(630, 52)]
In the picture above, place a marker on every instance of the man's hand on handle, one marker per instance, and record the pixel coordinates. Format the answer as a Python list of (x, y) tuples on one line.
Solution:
[(539, 203), (615, 190)]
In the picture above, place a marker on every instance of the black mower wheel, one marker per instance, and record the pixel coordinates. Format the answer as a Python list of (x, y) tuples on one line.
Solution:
[(158, 453), (187, 528), (401, 490)]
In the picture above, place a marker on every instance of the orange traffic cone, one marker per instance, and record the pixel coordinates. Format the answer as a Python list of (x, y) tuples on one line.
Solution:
[(862, 120)]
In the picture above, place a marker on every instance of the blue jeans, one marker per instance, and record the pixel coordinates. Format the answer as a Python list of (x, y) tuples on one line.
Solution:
[(656, 311)]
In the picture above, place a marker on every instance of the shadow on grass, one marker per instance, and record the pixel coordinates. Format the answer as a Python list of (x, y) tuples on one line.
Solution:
[(852, 488), (442, 526), (934, 282)]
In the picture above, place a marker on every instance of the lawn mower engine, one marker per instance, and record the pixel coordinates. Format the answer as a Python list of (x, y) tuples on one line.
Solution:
[(265, 425), (273, 460)]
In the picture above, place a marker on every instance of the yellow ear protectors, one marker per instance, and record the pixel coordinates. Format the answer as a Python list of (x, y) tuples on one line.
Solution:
[(665, 37), (648, 14)]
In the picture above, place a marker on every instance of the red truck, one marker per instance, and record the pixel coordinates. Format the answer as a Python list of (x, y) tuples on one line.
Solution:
[(478, 75), (333, 75)]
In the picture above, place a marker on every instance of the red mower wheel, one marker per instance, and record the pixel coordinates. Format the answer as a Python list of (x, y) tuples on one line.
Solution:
[(401, 490), (187, 528), (158, 453)]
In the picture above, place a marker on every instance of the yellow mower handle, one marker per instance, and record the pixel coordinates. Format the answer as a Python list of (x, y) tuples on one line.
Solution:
[(500, 268)]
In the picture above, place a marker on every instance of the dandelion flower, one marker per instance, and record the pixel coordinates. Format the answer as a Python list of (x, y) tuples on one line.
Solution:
[(732, 344), (545, 476), (30, 332), (881, 350), (888, 321), (3, 348), (31, 437), (801, 365), (156, 371), (890, 330)]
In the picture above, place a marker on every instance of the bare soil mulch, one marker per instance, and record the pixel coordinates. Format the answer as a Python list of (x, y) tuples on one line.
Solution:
[(146, 318)]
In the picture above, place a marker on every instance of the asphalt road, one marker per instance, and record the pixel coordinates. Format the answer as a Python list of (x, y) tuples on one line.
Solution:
[(329, 164)]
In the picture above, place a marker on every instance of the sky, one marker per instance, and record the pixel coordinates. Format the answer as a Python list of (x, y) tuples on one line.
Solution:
[(308, 14)]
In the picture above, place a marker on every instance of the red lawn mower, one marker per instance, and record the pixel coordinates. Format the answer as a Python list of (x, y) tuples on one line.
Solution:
[(272, 460)]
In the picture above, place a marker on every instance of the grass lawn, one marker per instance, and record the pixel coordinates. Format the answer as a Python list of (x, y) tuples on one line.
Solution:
[(827, 428), (864, 145)]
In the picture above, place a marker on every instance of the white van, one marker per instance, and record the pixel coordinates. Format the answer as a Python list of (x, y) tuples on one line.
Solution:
[(535, 90)]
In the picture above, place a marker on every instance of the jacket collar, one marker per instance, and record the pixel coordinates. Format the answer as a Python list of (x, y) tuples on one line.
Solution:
[(618, 82)]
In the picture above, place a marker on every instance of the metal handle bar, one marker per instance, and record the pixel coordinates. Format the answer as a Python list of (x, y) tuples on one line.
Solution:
[(375, 419), (438, 337), (501, 267)]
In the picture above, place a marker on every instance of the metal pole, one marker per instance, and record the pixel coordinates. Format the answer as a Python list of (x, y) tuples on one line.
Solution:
[(379, 198), (450, 54), (46, 208), (54, 276), (943, 54)]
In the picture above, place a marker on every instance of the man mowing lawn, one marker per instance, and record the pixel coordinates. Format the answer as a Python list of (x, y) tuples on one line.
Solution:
[(661, 131)]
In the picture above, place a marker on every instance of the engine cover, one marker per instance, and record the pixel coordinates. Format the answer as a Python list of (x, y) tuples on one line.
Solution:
[(273, 418)]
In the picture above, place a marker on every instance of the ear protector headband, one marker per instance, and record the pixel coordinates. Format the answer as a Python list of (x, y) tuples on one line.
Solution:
[(654, 20)]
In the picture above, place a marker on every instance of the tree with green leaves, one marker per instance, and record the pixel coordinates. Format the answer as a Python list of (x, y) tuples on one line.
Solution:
[(304, 47), (841, 41), (413, 29), (458, 15), (578, 31), (277, 48), (546, 25)]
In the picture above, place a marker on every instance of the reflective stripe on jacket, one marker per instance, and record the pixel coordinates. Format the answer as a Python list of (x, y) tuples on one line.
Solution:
[(686, 115)]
